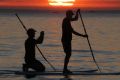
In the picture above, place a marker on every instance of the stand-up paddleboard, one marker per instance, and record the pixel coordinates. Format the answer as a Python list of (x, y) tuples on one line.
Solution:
[(85, 72)]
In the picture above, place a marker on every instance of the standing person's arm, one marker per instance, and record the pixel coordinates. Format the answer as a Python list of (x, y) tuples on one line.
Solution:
[(76, 33), (40, 38)]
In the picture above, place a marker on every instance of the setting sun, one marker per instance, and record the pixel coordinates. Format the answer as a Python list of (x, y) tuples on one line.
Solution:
[(61, 2)]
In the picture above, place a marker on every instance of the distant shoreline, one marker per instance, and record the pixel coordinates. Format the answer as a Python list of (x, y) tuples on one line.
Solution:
[(26, 10), (35, 12)]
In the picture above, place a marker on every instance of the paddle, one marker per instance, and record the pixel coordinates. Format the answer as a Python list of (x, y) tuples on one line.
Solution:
[(88, 40), (35, 45)]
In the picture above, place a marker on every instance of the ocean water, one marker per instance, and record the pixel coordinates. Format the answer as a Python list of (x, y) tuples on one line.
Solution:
[(103, 30)]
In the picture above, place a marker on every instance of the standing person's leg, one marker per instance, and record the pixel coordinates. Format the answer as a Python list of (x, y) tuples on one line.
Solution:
[(67, 50), (66, 61)]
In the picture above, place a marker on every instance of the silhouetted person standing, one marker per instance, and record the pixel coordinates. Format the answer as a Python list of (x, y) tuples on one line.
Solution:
[(67, 31), (30, 60)]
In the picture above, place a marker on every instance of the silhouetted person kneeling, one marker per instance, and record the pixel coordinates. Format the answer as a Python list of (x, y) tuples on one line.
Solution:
[(67, 31), (30, 60)]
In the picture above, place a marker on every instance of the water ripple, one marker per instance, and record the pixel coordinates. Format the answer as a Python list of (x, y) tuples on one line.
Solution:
[(97, 51)]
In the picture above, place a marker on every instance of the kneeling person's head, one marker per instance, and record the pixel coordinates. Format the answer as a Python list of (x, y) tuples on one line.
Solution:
[(31, 32)]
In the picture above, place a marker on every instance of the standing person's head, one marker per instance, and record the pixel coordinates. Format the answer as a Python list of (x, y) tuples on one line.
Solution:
[(69, 13), (31, 32)]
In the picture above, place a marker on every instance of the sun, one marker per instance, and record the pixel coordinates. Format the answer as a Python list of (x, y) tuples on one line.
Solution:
[(61, 2)]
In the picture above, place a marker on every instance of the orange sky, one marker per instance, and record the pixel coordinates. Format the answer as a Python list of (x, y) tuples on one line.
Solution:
[(97, 4)]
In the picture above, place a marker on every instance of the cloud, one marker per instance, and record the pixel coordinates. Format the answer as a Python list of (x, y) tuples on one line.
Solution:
[(12, 0), (23, 0), (26, 3)]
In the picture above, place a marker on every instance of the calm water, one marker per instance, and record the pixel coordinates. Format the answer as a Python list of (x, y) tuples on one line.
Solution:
[(103, 30)]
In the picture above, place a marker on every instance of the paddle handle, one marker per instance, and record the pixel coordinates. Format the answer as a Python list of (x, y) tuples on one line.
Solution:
[(88, 40)]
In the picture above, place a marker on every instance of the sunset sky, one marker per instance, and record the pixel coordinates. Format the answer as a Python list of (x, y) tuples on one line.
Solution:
[(88, 4)]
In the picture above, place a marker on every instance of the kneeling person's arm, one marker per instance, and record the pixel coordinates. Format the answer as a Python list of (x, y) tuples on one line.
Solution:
[(40, 38)]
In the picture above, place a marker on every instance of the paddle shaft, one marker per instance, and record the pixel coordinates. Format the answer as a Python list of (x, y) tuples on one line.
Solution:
[(36, 45), (88, 41)]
